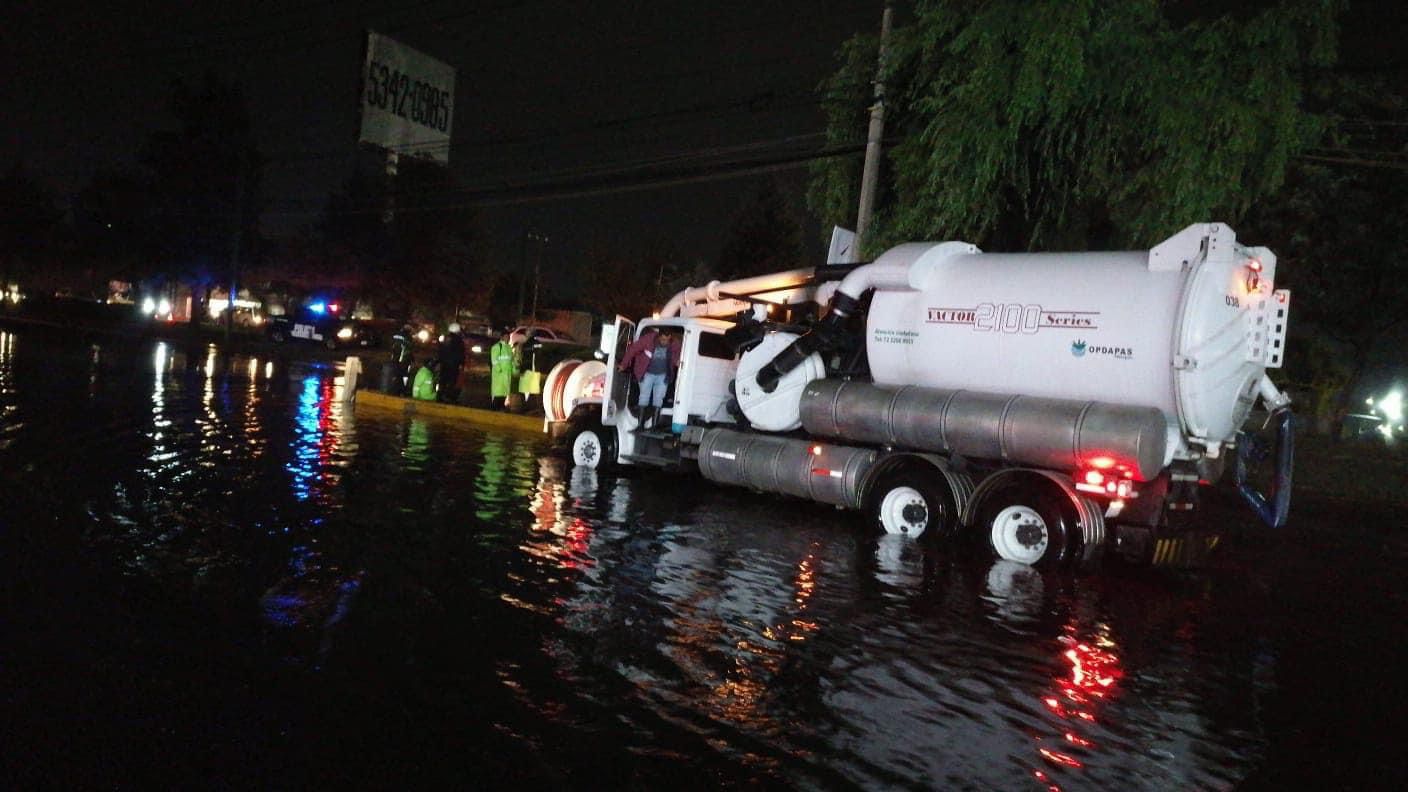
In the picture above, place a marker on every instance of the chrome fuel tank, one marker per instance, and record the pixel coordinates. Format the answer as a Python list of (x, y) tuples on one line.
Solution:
[(816, 471), (1060, 434)]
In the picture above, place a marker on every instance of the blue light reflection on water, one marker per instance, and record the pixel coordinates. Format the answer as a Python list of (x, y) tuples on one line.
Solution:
[(313, 443)]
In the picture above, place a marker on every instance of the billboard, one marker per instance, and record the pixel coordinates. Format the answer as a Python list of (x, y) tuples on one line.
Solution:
[(407, 100)]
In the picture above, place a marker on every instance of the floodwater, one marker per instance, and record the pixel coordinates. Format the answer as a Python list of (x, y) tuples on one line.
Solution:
[(217, 575)]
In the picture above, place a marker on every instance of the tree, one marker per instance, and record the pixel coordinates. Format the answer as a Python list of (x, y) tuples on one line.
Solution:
[(1345, 265), (765, 237), (635, 286), (423, 260), (204, 179), (29, 222), (1055, 124), (112, 219)]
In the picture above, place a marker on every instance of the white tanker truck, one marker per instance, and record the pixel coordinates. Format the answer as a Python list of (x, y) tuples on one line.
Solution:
[(1050, 405)]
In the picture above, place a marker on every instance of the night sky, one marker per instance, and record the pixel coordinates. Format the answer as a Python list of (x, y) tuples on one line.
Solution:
[(546, 91)]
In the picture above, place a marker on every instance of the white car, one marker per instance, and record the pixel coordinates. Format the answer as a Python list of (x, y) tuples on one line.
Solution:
[(541, 334)]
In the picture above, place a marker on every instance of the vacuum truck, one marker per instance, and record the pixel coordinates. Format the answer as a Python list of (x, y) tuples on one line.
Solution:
[(1050, 406)]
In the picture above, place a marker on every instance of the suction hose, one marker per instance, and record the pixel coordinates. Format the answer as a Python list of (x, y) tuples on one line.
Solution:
[(890, 271)]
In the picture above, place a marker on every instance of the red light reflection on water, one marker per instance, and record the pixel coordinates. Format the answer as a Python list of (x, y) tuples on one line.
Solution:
[(1092, 677)]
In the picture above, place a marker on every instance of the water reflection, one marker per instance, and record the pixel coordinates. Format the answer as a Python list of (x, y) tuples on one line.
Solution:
[(503, 477), (416, 451), (315, 443), (651, 618), (8, 409), (160, 456)]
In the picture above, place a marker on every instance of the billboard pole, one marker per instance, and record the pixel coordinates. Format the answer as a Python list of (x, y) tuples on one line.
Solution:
[(393, 159)]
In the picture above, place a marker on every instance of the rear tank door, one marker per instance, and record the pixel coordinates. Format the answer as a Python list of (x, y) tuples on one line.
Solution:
[(617, 383)]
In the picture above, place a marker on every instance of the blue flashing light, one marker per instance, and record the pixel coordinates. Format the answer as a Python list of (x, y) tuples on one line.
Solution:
[(317, 307)]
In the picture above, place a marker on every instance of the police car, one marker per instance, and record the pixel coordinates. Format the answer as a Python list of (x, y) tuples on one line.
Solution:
[(320, 323)]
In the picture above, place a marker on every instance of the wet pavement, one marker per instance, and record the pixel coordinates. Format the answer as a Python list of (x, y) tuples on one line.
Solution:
[(216, 574)]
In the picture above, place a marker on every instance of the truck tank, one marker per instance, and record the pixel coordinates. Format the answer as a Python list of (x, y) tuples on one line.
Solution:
[(1187, 327)]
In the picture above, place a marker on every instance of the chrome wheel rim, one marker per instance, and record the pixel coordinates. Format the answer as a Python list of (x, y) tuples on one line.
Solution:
[(1019, 534)]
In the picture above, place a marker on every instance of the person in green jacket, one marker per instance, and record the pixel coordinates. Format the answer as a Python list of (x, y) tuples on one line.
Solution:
[(503, 369), (423, 387)]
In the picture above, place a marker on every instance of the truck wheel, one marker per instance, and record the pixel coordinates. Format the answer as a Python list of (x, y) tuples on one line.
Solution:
[(908, 503), (594, 447), (1032, 525)]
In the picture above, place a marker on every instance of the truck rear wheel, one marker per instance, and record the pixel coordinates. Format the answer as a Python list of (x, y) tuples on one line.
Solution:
[(1033, 524), (906, 502)]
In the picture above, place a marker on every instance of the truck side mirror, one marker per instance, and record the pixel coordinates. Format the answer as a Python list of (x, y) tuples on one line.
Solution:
[(608, 341)]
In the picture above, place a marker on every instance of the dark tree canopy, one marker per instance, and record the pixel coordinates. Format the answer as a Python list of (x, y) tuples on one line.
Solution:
[(1024, 124), (765, 237), (112, 219), (423, 256), (29, 222), (634, 286), (203, 179), (1334, 229)]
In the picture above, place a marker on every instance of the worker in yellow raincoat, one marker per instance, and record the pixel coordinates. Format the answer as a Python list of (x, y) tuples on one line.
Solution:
[(423, 387), (504, 362)]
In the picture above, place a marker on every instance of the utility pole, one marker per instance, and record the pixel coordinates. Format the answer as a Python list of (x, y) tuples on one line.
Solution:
[(542, 239), (870, 175), (522, 277), (232, 286)]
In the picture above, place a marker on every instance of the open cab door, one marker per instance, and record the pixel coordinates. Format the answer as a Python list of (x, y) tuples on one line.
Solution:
[(614, 340)]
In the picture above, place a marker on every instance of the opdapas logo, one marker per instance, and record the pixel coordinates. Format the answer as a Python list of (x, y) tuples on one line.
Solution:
[(1080, 349)]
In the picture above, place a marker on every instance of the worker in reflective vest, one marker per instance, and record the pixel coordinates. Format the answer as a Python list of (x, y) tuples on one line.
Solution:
[(423, 387), (503, 368)]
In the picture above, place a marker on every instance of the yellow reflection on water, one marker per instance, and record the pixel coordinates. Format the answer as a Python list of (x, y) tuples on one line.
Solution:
[(160, 361), (7, 356)]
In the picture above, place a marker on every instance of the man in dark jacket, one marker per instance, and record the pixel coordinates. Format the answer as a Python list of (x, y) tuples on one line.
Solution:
[(652, 360), (451, 357), (401, 351)]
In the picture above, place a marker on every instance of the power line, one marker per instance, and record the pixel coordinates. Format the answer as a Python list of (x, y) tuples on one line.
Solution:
[(748, 104), (626, 179), (1368, 163)]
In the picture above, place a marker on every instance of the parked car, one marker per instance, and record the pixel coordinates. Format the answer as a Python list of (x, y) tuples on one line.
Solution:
[(330, 331), (540, 334), (479, 338)]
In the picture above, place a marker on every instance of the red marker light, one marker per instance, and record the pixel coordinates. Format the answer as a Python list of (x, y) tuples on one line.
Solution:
[(333, 307), (1254, 264), (816, 450), (1094, 477), (1102, 463)]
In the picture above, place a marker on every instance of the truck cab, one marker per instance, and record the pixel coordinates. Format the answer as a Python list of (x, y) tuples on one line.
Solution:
[(600, 402)]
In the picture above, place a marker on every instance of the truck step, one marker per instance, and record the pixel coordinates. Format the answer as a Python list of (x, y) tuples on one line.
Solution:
[(650, 459)]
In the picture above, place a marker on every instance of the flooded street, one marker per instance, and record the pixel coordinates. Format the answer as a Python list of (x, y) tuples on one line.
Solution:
[(217, 574)]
